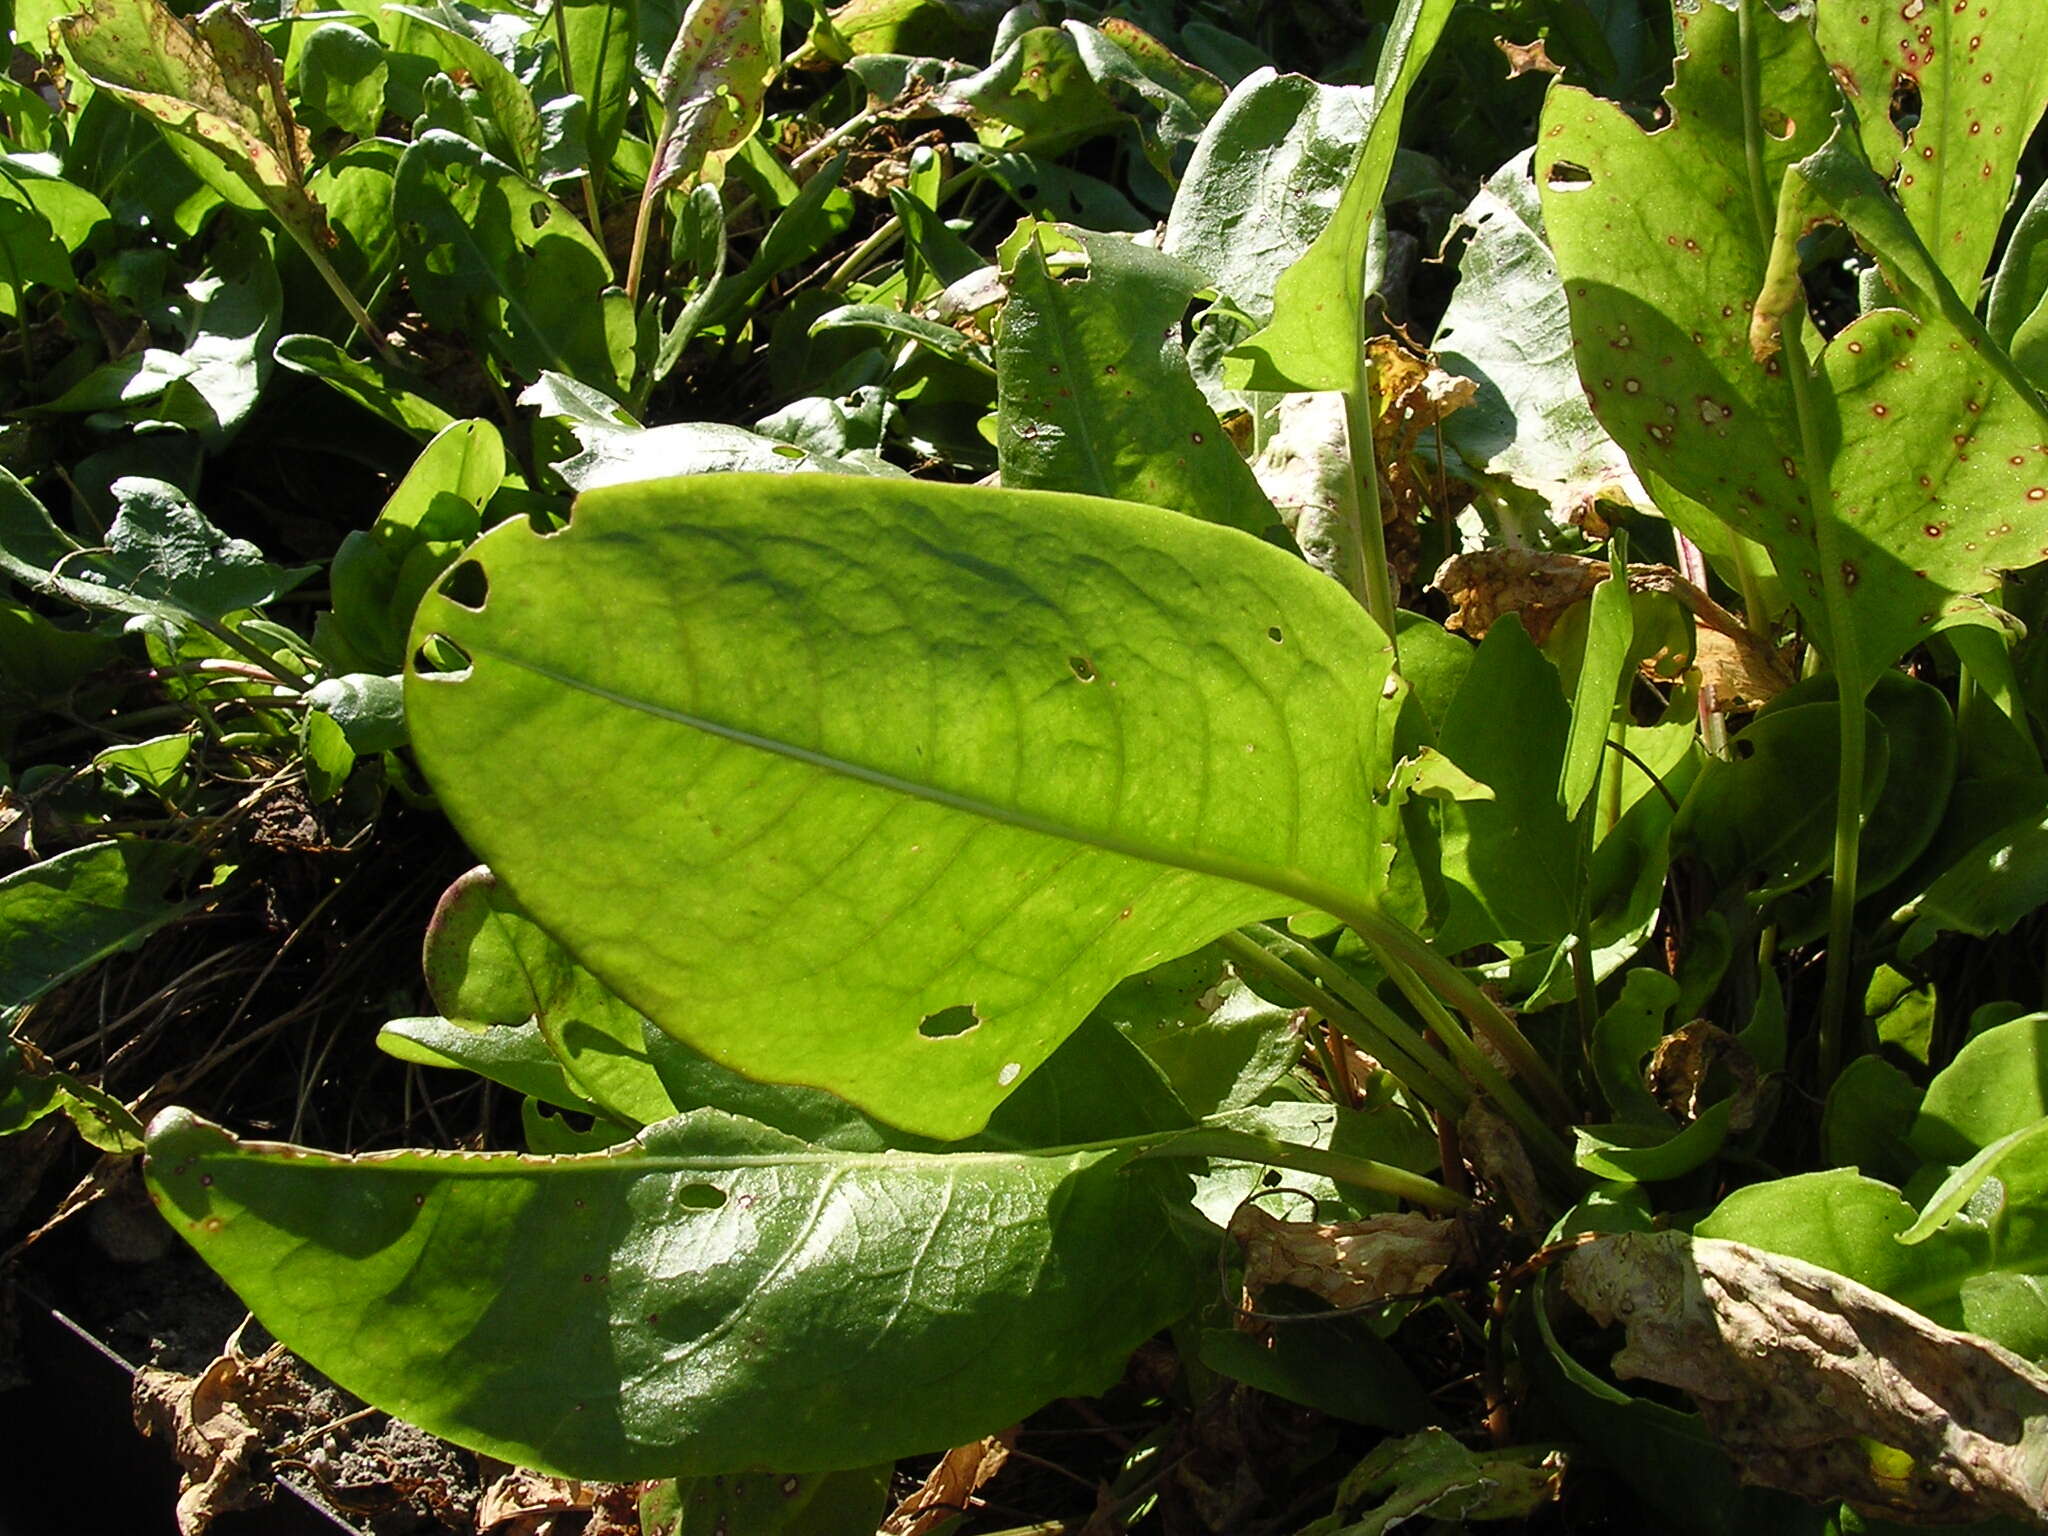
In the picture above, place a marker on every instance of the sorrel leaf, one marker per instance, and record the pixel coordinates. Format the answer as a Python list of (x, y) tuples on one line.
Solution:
[(217, 88), (488, 253), (1921, 472), (883, 785), (1318, 303), (1095, 393), (1980, 73), (628, 1314)]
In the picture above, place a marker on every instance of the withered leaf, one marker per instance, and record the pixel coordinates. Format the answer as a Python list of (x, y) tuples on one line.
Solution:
[(960, 1474), (1540, 587), (1526, 57), (1415, 396), (215, 1433), (1820, 1386), (1347, 1263)]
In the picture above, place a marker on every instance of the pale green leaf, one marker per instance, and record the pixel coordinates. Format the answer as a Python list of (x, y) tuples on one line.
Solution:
[(922, 748)]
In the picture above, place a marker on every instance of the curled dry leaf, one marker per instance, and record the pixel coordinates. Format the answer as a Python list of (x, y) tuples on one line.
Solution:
[(1739, 664), (1347, 1263), (960, 1474), (1540, 587), (1497, 1155), (523, 1503), (1699, 1064), (1524, 58), (1822, 1387), (1415, 396), (215, 1431)]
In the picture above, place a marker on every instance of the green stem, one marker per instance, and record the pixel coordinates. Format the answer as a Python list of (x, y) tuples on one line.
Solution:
[(1360, 1172), (569, 89), (1385, 1034), (1469, 1058), (1367, 535), (361, 316), (1836, 574)]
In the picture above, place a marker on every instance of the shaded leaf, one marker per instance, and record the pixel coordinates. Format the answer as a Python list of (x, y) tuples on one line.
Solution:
[(1095, 394), (68, 913), (450, 1287)]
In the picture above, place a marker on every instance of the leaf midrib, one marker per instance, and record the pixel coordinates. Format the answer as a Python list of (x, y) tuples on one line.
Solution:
[(1295, 886)]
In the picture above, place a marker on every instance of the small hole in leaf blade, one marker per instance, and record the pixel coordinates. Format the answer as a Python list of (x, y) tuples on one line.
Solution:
[(948, 1022), (440, 660)]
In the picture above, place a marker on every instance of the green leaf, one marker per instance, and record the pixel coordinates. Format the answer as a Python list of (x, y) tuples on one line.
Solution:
[(1997, 1084), (1909, 488), (1604, 674), (602, 37), (342, 75), (327, 755), (380, 574), (517, 1305), (1764, 815), (1956, 1190), (1508, 861), (1265, 178), (1430, 1475), (234, 313), (1508, 327), (1869, 1111), (156, 764), (1314, 339), (1627, 1033), (213, 84), (1993, 886), (98, 1117), (725, 56), (1338, 1367), (1218, 1043), (617, 450), (365, 381), (770, 1504), (488, 253), (2018, 313), (487, 962), (1645, 1153), (444, 34), (889, 713), (513, 1056), (369, 709), (63, 916), (943, 340), (1981, 78), (1038, 93), (1094, 391), (30, 256)]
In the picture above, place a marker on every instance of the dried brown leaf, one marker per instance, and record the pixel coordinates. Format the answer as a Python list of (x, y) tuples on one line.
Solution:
[(213, 1432), (523, 1503), (1414, 398), (1347, 1263), (1497, 1155), (1701, 1063), (949, 1486), (1822, 1387), (1540, 587), (1526, 57)]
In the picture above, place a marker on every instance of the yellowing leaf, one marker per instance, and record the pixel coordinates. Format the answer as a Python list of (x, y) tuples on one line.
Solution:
[(214, 85)]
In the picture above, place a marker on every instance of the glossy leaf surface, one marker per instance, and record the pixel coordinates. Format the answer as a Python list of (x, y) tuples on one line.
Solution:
[(628, 1314)]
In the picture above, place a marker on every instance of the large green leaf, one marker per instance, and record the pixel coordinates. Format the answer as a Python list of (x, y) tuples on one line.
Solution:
[(1911, 475), (488, 253), (1314, 339), (855, 757), (1980, 72), (1265, 178), (1094, 392), (711, 1297)]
